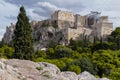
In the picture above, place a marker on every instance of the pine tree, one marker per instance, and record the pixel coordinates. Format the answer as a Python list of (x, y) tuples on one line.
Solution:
[(23, 38)]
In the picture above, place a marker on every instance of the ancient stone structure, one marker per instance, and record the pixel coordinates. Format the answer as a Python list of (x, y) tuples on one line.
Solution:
[(64, 26), (77, 26)]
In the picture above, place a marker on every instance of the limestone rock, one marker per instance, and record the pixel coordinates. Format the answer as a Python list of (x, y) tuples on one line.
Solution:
[(15, 69), (9, 33), (70, 75), (49, 67), (103, 79), (86, 76)]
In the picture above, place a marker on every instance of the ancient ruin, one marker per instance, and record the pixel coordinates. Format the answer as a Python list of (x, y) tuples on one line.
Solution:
[(89, 25), (64, 26)]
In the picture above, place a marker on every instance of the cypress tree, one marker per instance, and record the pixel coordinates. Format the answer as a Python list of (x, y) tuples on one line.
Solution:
[(23, 38)]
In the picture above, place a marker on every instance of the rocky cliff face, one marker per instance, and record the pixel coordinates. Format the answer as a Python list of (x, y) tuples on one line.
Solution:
[(43, 35), (8, 34), (15, 69)]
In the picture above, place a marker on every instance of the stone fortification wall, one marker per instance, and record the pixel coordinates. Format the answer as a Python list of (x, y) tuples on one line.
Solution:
[(104, 18), (78, 33), (63, 15), (65, 24), (80, 21), (106, 29)]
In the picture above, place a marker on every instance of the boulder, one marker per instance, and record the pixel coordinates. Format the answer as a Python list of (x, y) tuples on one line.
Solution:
[(86, 76), (15, 69), (70, 75)]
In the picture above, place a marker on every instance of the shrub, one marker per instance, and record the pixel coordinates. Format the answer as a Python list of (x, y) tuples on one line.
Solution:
[(39, 68), (50, 53), (40, 53), (104, 61), (86, 65), (62, 51), (74, 68), (76, 55), (115, 74), (1, 52), (6, 52)]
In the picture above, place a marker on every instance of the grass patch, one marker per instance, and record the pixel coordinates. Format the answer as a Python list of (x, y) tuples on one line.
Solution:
[(47, 75), (39, 68)]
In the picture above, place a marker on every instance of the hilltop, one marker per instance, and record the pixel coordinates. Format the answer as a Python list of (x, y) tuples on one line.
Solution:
[(64, 26)]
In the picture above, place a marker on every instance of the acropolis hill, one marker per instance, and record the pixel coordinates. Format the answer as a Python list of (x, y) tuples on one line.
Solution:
[(64, 26)]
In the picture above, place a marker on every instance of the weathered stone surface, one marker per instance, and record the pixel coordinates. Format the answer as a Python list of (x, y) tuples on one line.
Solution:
[(86, 76), (70, 75), (103, 79), (15, 69), (9, 33)]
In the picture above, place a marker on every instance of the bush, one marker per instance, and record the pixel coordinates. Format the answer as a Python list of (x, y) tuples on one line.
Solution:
[(50, 53), (39, 59), (115, 74), (1, 52), (6, 52), (76, 55), (40, 53), (86, 65), (74, 68), (39, 68), (1, 44), (62, 51), (61, 64), (104, 61)]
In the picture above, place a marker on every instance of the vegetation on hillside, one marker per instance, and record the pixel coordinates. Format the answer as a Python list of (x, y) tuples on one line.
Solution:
[(99, 58)]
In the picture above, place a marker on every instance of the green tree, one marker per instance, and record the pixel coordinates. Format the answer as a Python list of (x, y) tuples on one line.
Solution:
[(23, 38), (40, 53), (115, 74), (115, 37), (50, 53), (86, 65), (102, 46), (6, 52), (2, 44), (104, 61), (62, 51)]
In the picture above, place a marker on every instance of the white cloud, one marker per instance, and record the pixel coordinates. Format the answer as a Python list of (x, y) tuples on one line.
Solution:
[(52, 7), (48, 5), (1, 37), (45, 9), (2, 30), (7, 9)]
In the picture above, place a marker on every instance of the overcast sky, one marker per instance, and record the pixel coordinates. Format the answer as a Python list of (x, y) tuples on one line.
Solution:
[(42, 9)]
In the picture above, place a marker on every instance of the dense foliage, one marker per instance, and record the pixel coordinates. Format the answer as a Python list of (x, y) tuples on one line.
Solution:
[(23, 39), (6, 52)]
